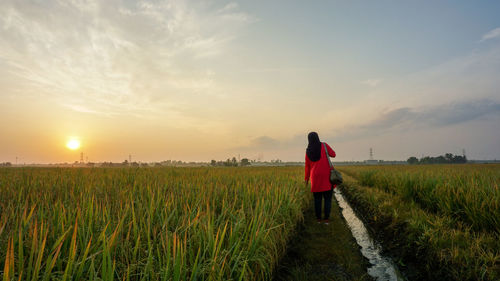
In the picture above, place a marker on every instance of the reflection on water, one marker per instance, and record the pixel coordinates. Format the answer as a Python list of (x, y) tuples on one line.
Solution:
[(382, 268)]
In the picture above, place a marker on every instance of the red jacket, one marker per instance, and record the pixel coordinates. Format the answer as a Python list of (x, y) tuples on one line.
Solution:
[(319, 171)]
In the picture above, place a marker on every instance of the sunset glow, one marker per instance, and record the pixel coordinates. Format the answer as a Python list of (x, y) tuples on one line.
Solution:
[(202, 80), (73, 144)]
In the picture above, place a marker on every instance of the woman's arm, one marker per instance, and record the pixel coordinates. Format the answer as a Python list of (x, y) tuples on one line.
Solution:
[(330, 151), (308, 169)]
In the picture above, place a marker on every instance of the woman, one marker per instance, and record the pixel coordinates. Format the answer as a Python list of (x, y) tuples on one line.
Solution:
[(318, 170)]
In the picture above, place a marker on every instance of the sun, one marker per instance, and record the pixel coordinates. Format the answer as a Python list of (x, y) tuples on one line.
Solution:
[(73, 144)]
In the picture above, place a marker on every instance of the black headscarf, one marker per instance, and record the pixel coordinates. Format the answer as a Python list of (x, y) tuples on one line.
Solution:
[(313, 150)]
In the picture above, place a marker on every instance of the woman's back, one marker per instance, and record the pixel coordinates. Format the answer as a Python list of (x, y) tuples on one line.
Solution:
[(319, 171)]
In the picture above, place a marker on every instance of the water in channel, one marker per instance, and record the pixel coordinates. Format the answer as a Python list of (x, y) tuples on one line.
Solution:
[(382, 268)]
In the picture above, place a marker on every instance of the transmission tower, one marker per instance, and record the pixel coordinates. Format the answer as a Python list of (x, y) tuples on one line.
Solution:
[(371, 153), (81, 157), (130, 158)]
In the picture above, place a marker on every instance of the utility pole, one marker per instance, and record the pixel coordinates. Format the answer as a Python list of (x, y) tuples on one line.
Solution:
[(130, 158), (81, 158)]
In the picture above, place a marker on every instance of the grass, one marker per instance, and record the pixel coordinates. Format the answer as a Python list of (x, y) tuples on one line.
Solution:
[(467, 193), (321, 252), (430, 243), (439, 221), (147, 223)]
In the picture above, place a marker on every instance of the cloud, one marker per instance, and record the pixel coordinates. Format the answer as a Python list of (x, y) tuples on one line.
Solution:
[(471, 76), (229, 7), (372, 82), (268, 143), (456, 113), (406, 118), (495, 33), (264, 142), (115, 57), (231, 12), (279, 70)]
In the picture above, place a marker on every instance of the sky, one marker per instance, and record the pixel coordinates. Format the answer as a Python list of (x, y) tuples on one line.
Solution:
[(202, 80)]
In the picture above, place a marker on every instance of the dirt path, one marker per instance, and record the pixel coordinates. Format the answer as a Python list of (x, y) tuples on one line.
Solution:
[(323, 252)]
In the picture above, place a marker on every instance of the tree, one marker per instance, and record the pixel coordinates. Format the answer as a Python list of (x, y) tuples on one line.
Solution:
[(448, 158), (245, 162), (459, 159), (213, 163), (443, 159), (412, 160)]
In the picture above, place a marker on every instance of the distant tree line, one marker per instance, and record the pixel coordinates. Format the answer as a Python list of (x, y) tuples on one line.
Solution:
[(231, 162), (125, 163), (448, 158)]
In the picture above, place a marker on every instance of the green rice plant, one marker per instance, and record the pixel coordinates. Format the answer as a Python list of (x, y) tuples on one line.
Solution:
[(147, 223), (467, 193), (441, 247)]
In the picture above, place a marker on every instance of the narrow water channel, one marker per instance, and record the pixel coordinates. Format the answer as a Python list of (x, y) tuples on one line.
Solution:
[(382, 268)]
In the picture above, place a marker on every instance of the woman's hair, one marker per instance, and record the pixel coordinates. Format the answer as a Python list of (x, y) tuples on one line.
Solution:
[(313, 150)]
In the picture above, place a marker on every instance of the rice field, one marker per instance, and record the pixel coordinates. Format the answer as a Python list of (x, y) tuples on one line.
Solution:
[(147, 223), (228, 223), (444, 219)]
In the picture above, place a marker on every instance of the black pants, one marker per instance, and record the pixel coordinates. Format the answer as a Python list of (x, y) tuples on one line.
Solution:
[(318, 198)]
